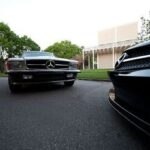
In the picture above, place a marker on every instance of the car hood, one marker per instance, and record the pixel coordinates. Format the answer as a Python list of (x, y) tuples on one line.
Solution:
[(42, 58)]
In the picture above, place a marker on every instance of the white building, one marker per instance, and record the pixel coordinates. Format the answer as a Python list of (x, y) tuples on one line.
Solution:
[(111, 43)]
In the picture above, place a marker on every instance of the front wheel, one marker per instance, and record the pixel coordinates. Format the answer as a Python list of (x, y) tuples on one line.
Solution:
[(69, 83)]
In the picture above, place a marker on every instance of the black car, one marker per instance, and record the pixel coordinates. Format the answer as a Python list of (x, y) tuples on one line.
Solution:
[(131, 81), (38, 67)]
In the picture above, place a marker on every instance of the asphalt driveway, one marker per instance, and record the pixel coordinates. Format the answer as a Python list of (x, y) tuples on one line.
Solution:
[(55, 117)]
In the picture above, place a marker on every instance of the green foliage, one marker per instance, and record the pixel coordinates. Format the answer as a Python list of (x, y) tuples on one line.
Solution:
[(64, 49), (7, 39), (3, 74), (28, 44), (12, 44), (144, 35)]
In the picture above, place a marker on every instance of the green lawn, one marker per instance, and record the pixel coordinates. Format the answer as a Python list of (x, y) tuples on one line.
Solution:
[(97, 74), (3, 74)]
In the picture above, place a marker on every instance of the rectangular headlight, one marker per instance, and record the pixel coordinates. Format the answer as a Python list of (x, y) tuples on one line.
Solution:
[(16, 65), (73, 65)]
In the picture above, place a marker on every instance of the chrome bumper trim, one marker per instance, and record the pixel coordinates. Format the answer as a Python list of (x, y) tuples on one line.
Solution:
[(42, 82), (44, 71)]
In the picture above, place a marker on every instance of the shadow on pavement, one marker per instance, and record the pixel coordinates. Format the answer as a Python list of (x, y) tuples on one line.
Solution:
[(41, 88), (134, 132)]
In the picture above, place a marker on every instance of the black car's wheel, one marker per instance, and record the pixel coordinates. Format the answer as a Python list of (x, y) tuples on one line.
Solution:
[(69, 83), (13, 88)]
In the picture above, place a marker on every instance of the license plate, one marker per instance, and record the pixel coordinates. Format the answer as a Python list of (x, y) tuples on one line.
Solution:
[(27, 77)]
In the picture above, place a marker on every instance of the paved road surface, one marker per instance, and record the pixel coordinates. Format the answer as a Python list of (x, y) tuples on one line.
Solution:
[(60, 118)]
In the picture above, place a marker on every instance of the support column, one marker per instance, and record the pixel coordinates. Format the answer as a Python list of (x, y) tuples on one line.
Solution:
[(83, 66), (96, 60), (93, 59), (98, 66), (89, 63), (114, 45), (113, 55)]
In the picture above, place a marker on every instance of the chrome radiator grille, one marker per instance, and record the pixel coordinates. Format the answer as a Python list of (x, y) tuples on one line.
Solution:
[(46, 64)]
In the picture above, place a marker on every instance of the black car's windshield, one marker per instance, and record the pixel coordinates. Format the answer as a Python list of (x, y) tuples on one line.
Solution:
[(36, 54)]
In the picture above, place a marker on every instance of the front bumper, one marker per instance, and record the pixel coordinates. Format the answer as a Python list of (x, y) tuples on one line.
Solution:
[(130, 97), (140, 123), (41, 76)]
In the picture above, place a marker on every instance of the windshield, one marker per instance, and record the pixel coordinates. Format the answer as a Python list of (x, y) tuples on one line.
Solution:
[(37, 54)]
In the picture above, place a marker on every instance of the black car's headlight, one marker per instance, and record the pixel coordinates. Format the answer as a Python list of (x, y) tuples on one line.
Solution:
[(73, 65), (15, 65)]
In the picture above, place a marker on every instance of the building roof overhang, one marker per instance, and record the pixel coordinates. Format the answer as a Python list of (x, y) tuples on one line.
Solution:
[(107, 48)]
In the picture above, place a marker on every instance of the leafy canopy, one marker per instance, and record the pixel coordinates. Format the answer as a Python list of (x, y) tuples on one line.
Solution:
[(64, 49), (11, 44), (144, 34)]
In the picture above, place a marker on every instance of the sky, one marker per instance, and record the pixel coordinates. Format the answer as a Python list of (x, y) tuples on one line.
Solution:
[(50, 21)]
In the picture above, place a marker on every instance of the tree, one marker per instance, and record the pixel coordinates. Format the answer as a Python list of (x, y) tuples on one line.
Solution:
[(144, 34), (64, 49), (8, 40), (11, 44), (27, 43)]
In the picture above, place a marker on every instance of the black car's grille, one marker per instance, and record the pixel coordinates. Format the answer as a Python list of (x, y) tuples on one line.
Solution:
[(43, 64), (135, 64), (138, 52), (137, 58)]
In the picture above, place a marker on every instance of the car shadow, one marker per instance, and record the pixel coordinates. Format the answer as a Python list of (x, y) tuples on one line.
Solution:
[(41, 88), (134, 132)]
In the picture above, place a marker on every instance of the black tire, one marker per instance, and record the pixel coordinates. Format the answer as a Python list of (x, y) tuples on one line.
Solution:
[(13, 88), (69, 83)]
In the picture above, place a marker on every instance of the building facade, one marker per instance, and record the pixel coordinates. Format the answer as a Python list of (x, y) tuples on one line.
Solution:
[(111, 43)]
